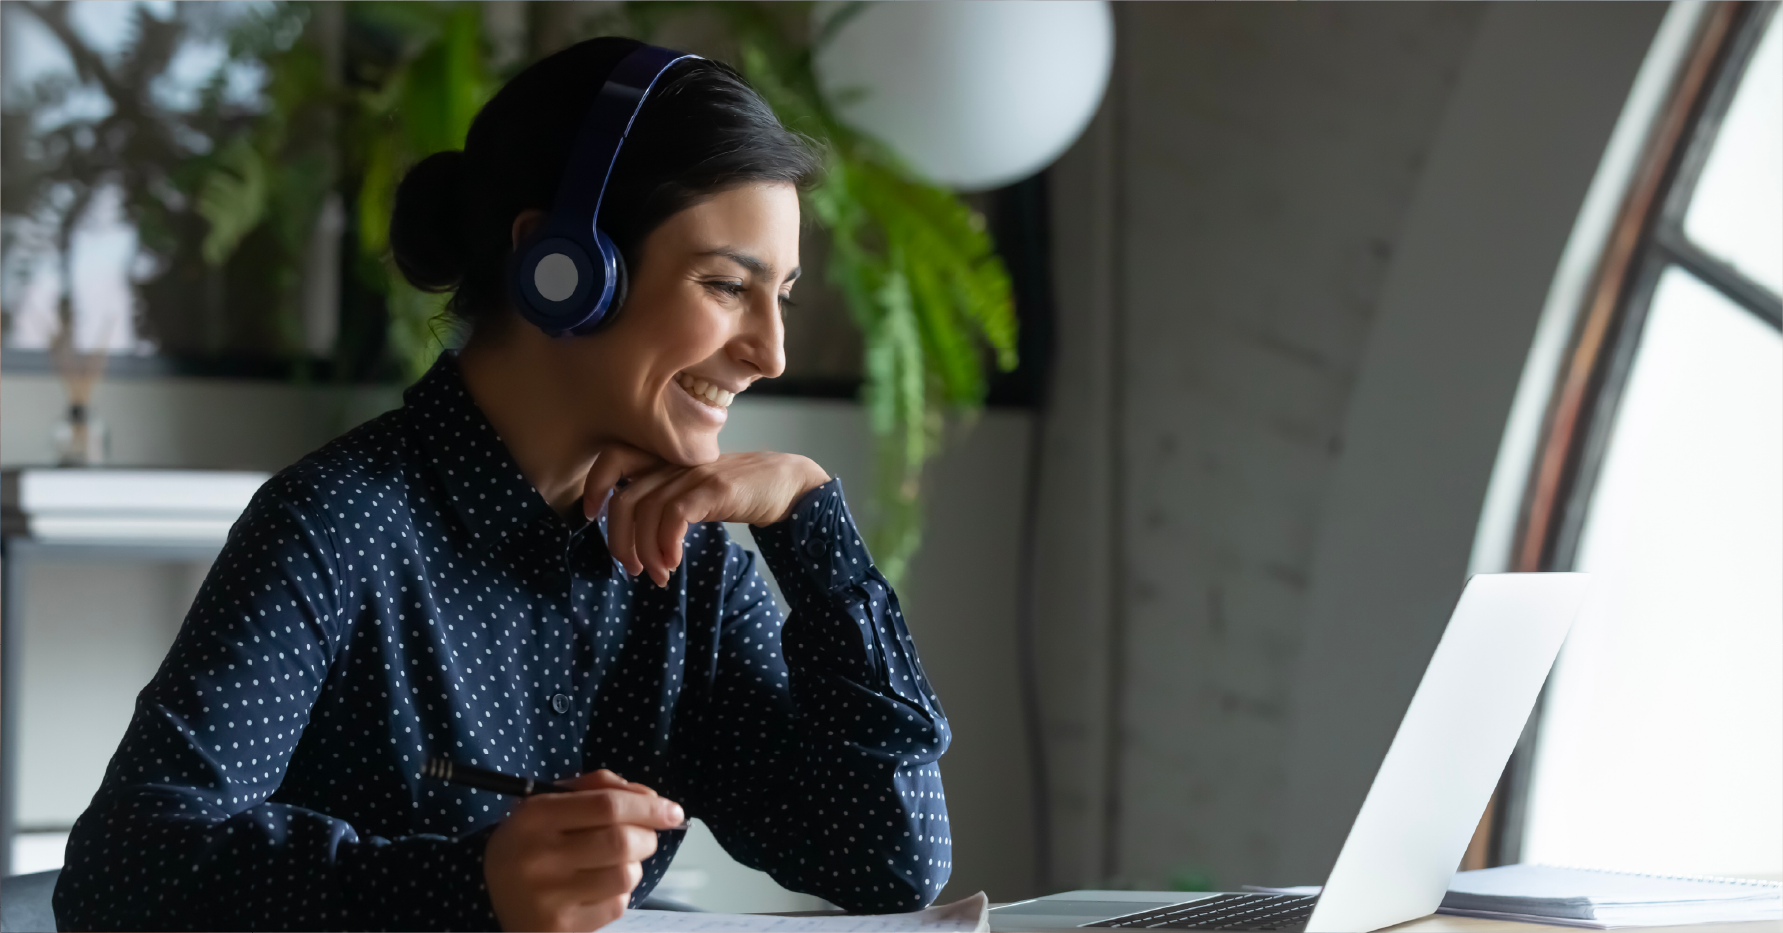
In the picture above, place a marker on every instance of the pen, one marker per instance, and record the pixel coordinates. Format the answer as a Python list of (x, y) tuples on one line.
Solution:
[(445, 769)]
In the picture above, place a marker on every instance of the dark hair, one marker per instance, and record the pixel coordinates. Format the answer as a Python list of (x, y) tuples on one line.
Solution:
[(701, 131)]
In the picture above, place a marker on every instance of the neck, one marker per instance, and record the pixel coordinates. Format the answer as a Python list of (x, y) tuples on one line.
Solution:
[(515, 384)]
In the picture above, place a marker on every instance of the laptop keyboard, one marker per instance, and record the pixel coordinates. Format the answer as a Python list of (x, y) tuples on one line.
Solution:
[(1222, 912)]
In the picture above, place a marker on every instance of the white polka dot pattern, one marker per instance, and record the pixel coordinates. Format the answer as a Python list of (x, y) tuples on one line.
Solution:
[(404, 592)]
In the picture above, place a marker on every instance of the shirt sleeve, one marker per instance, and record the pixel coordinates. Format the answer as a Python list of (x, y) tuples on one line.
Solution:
[(821, 735), (186, 831)]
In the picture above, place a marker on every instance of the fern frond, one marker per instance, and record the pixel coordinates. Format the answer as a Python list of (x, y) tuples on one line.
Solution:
[(232, 199)]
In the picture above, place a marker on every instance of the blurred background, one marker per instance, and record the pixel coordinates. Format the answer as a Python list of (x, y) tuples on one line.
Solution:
[(1181, 359)]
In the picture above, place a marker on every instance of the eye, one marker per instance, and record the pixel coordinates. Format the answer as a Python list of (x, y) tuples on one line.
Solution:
[(787, 302), (733, 289)]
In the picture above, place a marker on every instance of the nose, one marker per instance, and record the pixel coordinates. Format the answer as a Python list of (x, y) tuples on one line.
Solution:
[(761, 343)]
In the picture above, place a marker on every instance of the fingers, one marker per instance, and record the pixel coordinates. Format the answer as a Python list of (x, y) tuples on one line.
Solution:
[(662, 517), (647, 517), (622, 518), (598, 884), (612, 463), (583, 901), (597, 780), (571, 861), (607, 847), (604, 912), (598, 808), (604, 779), (690, 500)]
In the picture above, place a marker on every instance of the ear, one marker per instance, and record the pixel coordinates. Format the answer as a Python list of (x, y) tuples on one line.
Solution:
[(525, 223)]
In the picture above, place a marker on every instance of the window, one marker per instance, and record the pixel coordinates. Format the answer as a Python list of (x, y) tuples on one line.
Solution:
[(109, 109), (1659, 742)]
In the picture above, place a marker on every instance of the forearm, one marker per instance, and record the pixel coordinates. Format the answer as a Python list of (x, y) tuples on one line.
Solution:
[(855, 810), (845, 624), (160, 852), (832, 820)]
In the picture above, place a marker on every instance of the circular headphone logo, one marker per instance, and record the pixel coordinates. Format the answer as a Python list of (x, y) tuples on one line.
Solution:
[(555, 277)]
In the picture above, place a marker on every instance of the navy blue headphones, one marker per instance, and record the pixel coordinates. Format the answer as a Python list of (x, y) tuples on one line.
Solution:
[(567, 277)]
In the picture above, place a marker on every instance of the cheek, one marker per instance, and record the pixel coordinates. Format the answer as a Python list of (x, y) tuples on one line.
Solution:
[(683, 334), (696, 328)]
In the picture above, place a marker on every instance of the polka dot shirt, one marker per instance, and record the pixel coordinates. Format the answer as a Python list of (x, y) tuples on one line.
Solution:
[(404, 592)]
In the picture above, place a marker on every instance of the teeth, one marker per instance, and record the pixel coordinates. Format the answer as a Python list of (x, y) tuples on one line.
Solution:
[(700, 388)]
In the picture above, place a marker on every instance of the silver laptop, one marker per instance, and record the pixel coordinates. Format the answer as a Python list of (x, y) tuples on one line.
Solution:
[(1426, 798)]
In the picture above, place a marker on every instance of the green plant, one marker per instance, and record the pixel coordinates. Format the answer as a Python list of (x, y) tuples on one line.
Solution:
[(417, 85), (423, 102)]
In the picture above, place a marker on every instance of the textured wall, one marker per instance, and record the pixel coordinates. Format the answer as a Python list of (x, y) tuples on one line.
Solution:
[(1300, 258), (1262, 219), (1262, 159), (1525, 134)]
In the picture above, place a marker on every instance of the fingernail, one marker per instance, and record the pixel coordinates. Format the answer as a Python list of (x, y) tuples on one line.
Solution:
[(678, 815)]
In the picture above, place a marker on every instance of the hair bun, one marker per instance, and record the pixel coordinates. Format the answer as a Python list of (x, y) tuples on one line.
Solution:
[(426, 237)]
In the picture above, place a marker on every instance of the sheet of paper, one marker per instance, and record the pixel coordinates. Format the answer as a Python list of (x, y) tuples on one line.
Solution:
[(1545, 884), (964, 916)]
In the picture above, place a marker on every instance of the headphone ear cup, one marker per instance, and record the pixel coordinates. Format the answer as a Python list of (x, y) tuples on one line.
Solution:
[(612, 282), (621, 287)]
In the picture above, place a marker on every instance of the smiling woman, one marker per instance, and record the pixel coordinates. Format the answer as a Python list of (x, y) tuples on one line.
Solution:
[(524, 569)]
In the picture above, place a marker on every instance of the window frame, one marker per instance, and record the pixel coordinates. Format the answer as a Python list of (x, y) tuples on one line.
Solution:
[(1647, 240)]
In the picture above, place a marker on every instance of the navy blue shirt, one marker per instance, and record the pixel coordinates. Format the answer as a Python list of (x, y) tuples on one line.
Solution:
[(404, 592)]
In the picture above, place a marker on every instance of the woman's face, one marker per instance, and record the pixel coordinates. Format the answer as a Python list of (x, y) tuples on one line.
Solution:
[(703, 321)]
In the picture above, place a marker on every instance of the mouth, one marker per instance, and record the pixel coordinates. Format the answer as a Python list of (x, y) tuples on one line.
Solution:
[(705, 392)]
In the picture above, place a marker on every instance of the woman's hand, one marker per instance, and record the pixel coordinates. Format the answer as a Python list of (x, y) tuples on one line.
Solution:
[(569, 862), (647, 518)]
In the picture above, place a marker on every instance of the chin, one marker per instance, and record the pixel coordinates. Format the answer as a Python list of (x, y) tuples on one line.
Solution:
[(690, 451)]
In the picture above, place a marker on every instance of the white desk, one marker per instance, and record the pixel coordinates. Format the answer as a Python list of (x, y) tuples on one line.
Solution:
[(1436, 923), (1439, 923)]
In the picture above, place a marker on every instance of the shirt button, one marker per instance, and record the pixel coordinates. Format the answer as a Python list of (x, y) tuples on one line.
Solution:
[(560, 703), (814, 546)]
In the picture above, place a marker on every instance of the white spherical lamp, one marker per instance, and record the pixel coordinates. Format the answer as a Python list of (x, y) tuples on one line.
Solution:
[(973, 95)]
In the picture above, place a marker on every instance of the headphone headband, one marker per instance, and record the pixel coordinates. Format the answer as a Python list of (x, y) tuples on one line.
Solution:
[(564, 278)]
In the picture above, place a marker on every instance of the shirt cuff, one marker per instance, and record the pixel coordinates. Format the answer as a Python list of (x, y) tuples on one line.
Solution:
[(820, 538)]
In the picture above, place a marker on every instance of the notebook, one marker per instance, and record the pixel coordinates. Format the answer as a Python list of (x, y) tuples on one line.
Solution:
[(1599, 899)]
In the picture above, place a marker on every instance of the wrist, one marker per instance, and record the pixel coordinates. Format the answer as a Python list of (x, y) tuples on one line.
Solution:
[(811, 476), (815, 476)]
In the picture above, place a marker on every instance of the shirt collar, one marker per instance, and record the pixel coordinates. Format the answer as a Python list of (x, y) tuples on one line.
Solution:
[(483, 484)]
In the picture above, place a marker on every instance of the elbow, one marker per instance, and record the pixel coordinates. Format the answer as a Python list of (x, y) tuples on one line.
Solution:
[(899, 891), (74, 910)]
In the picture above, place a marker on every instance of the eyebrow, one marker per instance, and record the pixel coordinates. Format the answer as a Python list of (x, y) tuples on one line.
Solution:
[(750, 262)]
